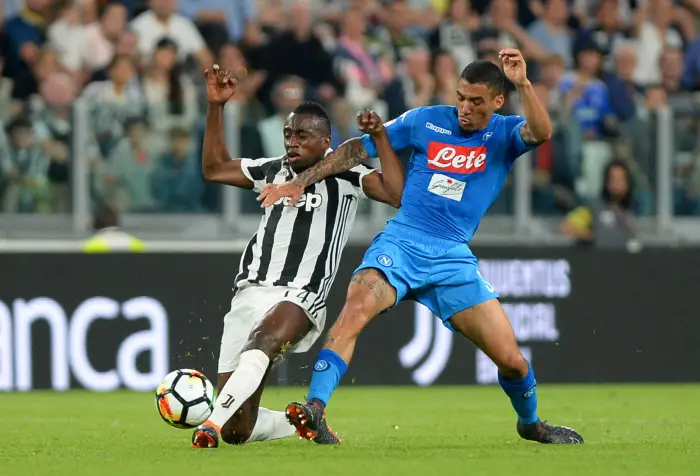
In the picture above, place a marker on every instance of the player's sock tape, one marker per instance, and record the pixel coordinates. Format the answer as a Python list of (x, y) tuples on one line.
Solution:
[(328, 370)]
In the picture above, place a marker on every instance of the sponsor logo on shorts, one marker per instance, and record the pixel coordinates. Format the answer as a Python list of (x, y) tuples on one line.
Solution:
[(446, 187), (437, 129), (455, 158), (384, 260), (531, 391), (321, 365)]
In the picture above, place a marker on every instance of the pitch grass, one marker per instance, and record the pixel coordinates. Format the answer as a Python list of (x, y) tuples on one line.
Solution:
[(635, 430)]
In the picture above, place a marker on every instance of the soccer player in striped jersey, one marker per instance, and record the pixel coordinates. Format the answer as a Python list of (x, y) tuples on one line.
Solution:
[(289, 265)]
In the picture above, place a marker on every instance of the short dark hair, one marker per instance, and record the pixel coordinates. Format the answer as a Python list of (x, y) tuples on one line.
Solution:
[(104, 217), (484, 72), (314, 109)]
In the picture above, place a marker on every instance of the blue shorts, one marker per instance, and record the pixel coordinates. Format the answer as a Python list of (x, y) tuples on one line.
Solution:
[(442, 275)]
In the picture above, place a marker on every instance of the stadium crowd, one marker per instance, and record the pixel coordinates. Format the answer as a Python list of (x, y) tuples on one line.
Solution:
[(604, 67)]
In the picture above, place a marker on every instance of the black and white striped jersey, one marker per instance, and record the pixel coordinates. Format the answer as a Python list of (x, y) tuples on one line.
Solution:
[(300, 246)]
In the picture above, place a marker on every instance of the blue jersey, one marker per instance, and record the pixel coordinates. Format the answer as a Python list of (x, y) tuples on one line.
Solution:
[(453, 176)]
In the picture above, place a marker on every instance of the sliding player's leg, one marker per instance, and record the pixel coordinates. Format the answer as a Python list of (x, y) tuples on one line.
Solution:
[(470, 305), (253, 422), (283, 327)]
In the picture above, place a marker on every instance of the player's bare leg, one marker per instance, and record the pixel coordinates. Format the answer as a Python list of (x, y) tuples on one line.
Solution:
[(368, 295), (237, 405), (488, 327)]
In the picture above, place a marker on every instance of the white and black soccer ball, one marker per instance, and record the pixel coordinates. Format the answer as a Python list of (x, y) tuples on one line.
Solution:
[(185, 398)]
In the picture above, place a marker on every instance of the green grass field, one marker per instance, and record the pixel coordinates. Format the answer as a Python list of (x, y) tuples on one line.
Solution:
[(635, 430)]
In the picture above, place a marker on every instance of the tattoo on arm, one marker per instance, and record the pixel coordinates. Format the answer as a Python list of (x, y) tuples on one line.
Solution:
[(348, 155), (527, 135)]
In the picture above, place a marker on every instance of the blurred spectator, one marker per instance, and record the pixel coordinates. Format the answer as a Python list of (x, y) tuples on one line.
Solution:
[(287, 95), (125, 179), (220, 21), (425, 15), (170, 94), (114, 101), (551, 31), (365, 72), (176, 179), (654, 31), (446, 74), (606, 31), (393, 36), (418, 81), (608, 222), (344, 125), (691, 69), (24, 34), (585, 95), (299, 52), (162, 20), (272, 16), (102, 37), (552, 70), (109, 237), (454, 35), (249, 81), (47, 63), (501, 23), (67, 36), (671, 65), (24, 183), (622, 90), (51, 115), (9, 8), (5, 94)]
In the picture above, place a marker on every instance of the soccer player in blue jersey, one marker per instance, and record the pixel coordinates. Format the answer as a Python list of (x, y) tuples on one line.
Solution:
[(461, 158)]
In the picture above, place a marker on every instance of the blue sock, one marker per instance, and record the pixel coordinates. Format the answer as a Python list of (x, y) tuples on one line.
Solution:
[(328, 370), (523, 395)]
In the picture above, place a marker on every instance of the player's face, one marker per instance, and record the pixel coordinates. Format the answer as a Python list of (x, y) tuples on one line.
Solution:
[(304, 142), (476, 103)]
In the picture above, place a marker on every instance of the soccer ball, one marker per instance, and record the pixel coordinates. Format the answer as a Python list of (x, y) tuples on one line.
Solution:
[(185, 398)]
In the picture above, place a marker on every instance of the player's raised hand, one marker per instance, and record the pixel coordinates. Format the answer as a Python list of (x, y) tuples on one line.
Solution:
[(514, 66), (272, 193), (369, 122), (220, 85)]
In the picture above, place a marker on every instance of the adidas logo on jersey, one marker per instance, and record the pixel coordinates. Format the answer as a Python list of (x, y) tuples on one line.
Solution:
[(435, 128), (455, 158), (308, 201)]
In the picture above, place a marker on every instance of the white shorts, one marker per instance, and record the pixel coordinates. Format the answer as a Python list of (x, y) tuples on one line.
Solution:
[(250, 305)]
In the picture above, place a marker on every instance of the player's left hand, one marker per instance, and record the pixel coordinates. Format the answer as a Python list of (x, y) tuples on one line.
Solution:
[(274, 192), (369, 122), (514, 66)]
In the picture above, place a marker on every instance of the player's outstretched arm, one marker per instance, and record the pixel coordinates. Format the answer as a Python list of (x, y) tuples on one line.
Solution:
[(217, 164), (348, 155), (538, 126), (387, 186)]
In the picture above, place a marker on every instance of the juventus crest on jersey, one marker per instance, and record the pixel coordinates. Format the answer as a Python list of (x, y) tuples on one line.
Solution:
[(300, 246)]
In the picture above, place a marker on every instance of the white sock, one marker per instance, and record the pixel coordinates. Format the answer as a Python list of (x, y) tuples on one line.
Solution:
[(270, 425), (244, 381)]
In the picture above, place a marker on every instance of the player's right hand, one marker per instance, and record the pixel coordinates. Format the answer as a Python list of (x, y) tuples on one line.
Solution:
[(220, 85), (274, 192), (369, 122)]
